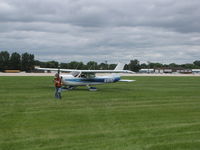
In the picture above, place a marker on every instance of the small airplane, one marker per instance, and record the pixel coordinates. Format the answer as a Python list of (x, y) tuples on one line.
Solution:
[(88, 77)]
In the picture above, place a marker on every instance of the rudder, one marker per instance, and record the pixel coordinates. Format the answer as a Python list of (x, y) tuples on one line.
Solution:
[(120, 66)]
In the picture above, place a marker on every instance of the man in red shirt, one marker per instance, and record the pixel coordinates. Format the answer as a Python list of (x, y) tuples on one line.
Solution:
[(58, 84)]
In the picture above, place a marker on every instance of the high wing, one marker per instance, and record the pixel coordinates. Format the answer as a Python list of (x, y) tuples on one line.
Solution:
[(55, 69), (85, 71)]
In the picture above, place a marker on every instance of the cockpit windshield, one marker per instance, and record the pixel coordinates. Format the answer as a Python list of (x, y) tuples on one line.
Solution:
[(75, 73)]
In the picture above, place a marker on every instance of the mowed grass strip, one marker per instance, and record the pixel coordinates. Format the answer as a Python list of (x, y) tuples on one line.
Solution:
[(153, 113)]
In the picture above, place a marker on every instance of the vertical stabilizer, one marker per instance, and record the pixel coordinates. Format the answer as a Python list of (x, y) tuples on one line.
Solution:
[(120, 66)]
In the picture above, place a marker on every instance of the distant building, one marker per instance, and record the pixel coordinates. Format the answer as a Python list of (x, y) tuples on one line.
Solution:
[(170, 70), (185, 71), (195, 70), (146, 71), (163, 70)]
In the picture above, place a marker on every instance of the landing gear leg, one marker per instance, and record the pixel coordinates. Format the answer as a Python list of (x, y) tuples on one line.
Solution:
[(69, 87)]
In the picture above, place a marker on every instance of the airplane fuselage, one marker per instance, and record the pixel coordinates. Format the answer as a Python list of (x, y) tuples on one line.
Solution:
[(70, 80)]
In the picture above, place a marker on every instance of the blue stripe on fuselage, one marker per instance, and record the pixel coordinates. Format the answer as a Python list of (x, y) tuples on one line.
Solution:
[(100, 80)]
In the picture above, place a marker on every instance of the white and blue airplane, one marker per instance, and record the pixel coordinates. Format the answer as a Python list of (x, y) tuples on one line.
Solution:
[(88, 77)]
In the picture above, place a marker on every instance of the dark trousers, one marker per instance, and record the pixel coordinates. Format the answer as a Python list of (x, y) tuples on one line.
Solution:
[(58, 92)]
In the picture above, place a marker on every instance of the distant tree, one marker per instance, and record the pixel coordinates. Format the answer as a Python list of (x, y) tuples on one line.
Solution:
[(15, 61), (134, 65), (155, 65), (188, 66), (92, 65), (173, 65), (52, 64), (103, 66), (165, 65), (40, 64), (31, 61), (64, 65), (27, 62), (126, 67), (4, 60), (81, 66), (144, 66), (112, 66), (73, 65), (37, 63), (197, 63), (24, 62)]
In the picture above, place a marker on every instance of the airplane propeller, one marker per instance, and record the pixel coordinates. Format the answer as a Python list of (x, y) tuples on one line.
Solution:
[(58, 70)]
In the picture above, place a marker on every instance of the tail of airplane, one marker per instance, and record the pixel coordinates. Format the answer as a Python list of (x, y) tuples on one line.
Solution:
[(120, 66)]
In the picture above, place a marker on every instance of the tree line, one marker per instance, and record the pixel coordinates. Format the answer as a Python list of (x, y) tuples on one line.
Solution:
[(135, 65), (92, 65), (26, 62), (15, 61)]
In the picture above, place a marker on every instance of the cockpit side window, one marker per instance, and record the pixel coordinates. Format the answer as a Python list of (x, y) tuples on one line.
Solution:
[(83, 75), (90, 75), (79, 74)]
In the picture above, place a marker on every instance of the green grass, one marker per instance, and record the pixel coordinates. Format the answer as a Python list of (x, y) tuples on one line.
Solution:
[(153, 113)]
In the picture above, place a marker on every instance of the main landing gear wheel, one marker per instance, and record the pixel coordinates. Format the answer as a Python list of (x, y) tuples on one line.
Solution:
[(92, 88)]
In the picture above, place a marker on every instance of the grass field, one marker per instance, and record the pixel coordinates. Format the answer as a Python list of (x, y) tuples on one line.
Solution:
[(153, 113)]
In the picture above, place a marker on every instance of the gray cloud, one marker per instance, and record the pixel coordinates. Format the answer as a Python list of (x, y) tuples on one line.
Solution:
[(156, 30)]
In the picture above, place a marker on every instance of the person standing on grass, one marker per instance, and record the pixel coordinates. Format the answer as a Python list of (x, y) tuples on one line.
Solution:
[(58, 84)]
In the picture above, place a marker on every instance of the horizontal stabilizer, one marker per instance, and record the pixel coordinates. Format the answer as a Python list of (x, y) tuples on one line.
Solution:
[(127, 80)]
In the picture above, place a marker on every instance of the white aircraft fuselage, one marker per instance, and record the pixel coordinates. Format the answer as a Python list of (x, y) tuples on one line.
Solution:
[(70, 80)]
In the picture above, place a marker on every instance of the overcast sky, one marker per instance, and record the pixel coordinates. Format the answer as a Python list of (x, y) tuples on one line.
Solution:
[(163, 31)]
